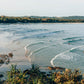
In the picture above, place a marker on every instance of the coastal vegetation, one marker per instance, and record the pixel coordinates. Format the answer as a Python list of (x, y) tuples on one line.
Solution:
[(35, 76), (37, 19)]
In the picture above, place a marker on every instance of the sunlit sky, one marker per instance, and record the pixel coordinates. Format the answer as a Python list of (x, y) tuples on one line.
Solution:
[(42, 7)]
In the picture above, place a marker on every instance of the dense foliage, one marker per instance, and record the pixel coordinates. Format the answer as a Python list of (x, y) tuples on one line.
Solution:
[(37, 19), (35, 76)]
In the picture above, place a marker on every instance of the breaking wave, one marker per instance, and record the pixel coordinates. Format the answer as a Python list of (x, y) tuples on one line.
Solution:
[(52, 60)]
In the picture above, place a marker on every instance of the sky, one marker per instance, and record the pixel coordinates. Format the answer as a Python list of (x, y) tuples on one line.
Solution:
[(42, 7)]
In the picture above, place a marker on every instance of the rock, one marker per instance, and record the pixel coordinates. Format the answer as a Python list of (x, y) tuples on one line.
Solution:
[(4, 58), (10, 55), (1, 61), (50, 68), (56, 68), (59, 68), (1, 76)]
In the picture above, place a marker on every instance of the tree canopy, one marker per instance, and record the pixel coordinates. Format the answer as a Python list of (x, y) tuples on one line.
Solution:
[(38, 19)]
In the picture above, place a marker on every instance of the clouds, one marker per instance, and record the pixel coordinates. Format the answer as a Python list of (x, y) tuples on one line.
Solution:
[(42, 7)]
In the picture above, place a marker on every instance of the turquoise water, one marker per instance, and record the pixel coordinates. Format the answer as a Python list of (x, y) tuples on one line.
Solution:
[(44, 44)]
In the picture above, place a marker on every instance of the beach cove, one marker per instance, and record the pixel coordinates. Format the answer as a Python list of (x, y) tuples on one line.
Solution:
[(60, 45)]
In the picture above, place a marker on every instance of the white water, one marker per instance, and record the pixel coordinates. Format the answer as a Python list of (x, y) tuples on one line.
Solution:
[(62, 54)]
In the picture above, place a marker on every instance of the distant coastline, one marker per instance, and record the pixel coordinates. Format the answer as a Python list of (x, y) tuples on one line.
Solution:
[(38, 19)]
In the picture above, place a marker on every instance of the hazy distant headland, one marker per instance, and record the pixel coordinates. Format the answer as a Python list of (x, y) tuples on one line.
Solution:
[(39, 19)]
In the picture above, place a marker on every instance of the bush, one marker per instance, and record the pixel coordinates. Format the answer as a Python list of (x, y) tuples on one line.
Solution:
[(35, 76)]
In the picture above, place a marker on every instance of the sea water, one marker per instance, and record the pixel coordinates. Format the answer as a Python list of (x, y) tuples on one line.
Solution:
[(44, 44)]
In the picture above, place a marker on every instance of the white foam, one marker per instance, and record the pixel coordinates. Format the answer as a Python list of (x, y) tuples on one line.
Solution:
[(52, 60), (26, 50)]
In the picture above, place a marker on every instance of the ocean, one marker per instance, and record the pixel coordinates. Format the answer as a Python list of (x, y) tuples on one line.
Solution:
[(53, 44)]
